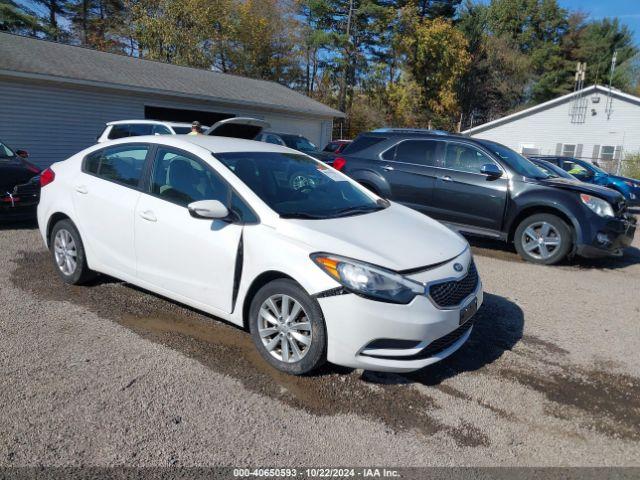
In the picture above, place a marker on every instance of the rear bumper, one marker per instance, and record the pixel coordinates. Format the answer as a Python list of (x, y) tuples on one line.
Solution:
[(608, 237)]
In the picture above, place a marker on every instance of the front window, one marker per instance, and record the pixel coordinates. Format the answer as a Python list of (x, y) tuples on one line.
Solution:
[(298, 143), (464, 158), (297, 186), (181, 179), (580, 170), (515, 161)]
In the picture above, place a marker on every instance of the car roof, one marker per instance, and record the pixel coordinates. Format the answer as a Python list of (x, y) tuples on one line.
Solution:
[(288, 134), (151, 122), (213, 143), (154, 122)]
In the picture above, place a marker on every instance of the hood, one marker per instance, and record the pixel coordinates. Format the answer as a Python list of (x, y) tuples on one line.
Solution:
[(396, 238), (605, 193), (625, 179)]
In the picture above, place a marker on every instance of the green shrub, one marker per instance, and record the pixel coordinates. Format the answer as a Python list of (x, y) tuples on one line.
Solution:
[(631, 166)]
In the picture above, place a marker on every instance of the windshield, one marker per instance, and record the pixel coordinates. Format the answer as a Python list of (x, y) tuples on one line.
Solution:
[(517, 162), (297, 186), (6, 153), (552, 170), (299, 143)]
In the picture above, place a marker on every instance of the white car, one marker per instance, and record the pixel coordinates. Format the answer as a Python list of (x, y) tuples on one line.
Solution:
[(137, 128), (327, 271)]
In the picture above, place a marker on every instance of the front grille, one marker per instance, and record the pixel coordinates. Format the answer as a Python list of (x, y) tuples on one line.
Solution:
[(435, 347), (451, 294)]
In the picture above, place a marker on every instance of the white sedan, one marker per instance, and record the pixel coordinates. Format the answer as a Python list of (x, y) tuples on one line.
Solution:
[(319, 270)]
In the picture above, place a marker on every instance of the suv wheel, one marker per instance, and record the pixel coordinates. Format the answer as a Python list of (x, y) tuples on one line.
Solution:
[(543, 238), (68, 254), (287, 327)]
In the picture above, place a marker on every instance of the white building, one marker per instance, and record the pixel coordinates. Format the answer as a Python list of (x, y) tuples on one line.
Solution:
[(55, 99), (593, 123)]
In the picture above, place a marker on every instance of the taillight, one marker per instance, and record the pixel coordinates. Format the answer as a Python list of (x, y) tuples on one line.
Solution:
[(47, 177), (339, 163)]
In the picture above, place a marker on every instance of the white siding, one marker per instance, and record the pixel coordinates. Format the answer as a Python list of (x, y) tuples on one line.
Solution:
[(546, 129), (54, 121)]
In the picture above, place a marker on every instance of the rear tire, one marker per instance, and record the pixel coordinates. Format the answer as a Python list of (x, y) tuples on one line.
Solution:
[(67, 252), (543, 238), (287, 327)]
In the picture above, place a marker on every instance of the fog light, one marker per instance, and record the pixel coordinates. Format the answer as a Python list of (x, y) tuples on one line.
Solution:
[(603, 238)]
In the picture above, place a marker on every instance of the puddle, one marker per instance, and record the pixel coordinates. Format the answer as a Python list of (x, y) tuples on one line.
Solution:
[(606, 402)]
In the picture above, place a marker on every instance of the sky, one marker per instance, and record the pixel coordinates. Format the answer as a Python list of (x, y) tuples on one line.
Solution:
[(627, 11)]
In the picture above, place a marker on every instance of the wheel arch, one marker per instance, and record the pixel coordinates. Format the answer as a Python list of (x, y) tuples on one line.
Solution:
[(53, 219), (257, 283), (371, 180), (552, 210)]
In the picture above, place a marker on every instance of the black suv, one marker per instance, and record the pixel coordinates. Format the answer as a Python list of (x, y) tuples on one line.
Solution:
[(483, 188)]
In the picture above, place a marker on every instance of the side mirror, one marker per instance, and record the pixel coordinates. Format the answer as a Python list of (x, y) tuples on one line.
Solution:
[(22, 153), (491, 170), (211, 209)]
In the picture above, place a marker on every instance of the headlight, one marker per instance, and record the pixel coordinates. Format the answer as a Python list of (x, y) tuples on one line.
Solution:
[(368, 280), (599, 206)]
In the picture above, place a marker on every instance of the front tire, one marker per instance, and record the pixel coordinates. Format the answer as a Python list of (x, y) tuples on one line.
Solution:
[(543, 238), (67, 252), (287, 327)]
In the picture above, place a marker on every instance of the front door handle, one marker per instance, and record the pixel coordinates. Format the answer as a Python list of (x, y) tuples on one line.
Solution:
[(446, 178), (149, 216), (82, 189), (388, 168)]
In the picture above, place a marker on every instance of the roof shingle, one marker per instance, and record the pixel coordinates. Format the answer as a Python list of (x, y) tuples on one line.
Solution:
[(39, 57)]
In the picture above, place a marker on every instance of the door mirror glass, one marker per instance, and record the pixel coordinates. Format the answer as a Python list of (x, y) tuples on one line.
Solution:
[(491, 170), (211, 209)]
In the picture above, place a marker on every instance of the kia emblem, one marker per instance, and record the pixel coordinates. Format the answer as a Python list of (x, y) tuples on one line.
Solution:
[(458, 267)]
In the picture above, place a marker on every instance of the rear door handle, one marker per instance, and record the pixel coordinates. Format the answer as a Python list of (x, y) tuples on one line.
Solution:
[(82, 189), (388, 168), (446, 178), (149, 216)]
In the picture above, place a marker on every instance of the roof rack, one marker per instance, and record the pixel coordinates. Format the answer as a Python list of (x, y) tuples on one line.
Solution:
[(410, 130)]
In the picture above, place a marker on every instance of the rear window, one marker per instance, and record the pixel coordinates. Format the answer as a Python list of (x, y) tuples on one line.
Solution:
[(122, 164), (182, 130), (361, 143), (6, 152)]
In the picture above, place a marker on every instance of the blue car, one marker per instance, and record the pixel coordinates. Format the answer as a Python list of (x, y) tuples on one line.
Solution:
[(590, 173)]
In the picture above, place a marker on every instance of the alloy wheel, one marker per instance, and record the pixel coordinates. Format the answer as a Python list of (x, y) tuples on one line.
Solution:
[(284, 328), (541, 240), (65, 251)]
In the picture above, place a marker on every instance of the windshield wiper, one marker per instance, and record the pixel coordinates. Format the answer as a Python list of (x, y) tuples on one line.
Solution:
[(301, 215), (356, 210)]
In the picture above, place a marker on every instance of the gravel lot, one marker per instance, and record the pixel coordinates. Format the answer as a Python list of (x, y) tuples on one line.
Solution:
[(110, 375)]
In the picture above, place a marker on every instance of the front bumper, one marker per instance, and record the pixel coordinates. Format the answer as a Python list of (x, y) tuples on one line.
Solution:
[(373, 335), (608, 237)]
